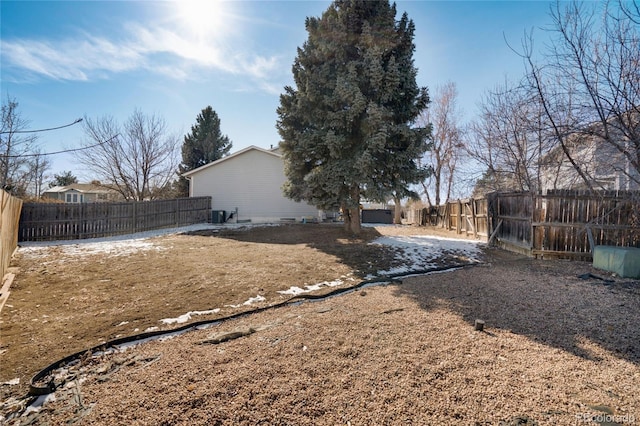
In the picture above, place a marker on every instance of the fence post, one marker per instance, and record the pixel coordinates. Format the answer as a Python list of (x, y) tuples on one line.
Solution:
[(474, 219), (490, 215), (447, 216), (532, 218), (134, 216), (83, 220)]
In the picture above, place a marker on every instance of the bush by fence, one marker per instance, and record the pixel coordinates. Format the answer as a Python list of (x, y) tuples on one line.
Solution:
[(10, 214), (91, 220)]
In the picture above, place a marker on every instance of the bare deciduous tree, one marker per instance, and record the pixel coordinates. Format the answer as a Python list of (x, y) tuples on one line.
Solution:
[(38, 164), (14, 146), (588, 84), (138, 158), (510, 139), (444, 115)]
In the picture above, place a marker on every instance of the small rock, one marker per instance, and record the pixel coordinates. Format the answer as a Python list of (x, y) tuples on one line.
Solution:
[(104, 368), (228, 335)]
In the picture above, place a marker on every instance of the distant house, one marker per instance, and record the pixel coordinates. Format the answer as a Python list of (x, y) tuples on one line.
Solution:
[(81, 193), (603, 163), (247, 186)]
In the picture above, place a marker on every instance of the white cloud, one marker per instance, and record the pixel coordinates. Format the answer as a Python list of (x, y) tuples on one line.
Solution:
[(164, 51)]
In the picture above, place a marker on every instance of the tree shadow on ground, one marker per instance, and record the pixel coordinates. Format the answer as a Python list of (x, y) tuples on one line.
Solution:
[(543, 300), (332, 239)]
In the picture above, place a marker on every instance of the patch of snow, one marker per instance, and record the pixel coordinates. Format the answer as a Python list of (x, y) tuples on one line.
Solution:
[(146, 234), (12, 382), (151, 329), (294, 290), (423, 251), (38, 403), (122, 323), (186, 317), (249, 302), (121, 245), (109, 248), (125, 237)]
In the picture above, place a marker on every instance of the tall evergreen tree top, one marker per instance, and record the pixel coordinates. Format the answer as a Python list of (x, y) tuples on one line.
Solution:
[(348, 126), (205, 143), (65, 178)]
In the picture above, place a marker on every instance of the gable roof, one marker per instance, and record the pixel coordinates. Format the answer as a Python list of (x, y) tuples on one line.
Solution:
[(272, 152), (80, 187)]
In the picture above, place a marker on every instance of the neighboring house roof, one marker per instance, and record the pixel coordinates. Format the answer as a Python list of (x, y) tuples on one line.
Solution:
[(235, 154), (80, 187)]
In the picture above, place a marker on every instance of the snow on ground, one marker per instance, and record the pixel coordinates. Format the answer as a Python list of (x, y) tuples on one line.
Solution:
[(249, 302), (414, 253), (294, 291), (118, 245), (186, 317), (111, 249), (420, 252)]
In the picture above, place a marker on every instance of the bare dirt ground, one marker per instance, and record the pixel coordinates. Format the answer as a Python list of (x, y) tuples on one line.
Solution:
[(557, 349)]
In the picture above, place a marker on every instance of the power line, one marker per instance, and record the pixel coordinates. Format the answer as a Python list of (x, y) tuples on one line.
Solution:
[(43, 130), (61, 152)]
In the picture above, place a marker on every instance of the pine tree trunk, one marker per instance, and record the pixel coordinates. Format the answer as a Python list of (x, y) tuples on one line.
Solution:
[(397, 214), (354, 211), (355, 220), (346, 218)]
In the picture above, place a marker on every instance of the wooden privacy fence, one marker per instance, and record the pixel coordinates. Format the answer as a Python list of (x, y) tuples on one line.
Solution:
[(10, 214), (565, 223), (40, 221), (462, 216), (558, 224)]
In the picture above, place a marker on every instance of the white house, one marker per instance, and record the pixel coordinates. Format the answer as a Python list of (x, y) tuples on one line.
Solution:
[(81, 193), (606, 163), (604, 166), (248, 184)]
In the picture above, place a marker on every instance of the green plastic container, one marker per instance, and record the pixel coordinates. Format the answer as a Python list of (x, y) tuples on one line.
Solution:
[(623, 261)]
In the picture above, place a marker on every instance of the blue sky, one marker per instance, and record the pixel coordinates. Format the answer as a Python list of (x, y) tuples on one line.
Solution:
[(62, 60)]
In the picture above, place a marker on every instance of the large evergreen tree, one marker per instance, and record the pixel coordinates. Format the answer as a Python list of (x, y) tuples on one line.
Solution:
[(203, 145), (348, 127)]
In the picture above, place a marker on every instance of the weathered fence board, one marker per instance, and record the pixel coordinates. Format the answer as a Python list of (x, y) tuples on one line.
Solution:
[(570, 223), (9, 215), (462, 216), (40, 221), (514, 213), (557, 224)]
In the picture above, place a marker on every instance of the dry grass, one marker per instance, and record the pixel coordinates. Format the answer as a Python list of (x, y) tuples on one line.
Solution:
[(557, 349), (62, 302)]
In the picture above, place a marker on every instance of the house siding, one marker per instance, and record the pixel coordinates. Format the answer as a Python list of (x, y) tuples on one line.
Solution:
[(252, 182), (85, 193), (606, 167)]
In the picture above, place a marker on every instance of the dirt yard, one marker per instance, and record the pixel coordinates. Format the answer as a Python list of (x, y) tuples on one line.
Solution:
[(557, 349)]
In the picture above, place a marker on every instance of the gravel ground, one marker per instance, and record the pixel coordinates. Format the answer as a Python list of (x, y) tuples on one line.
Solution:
[(556, 350)]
